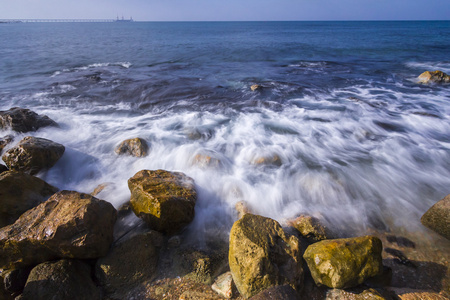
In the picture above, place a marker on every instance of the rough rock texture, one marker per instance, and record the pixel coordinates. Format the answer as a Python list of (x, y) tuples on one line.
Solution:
[(310, 228), (14, 280), (262, 255), (32, 155), (411, 294), (434, 76), (129, 263), (20, 192), (164, 200), (437, 217), (67, 225), (134, 147), (284, 292), (23, 120), (344, 263), (224, 285), (194, 295), (372, 294), (63, 279), (4, 141)]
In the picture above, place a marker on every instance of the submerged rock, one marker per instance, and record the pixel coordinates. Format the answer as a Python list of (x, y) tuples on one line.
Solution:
[(20, 192), (23, 120), (268, 160), (262, 255), (67, 225), (135, 147), (344, 263), (206, 161), (434, 76), (32, 155), (256, 87), (310, 228), (437, 218), (65, 279), (129, 263), (164, 200)]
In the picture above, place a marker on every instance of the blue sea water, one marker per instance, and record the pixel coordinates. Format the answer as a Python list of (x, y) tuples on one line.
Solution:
[(352, 137)]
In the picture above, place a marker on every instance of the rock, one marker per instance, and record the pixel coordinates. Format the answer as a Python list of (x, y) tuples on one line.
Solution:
[(164, 200), (344, 263), (206, 161), (32, 155), (437, 218), (67, 225), (20, 192), (242, 208), (3, 168), (256, 87), (134, 147), (129, 263), (268, 160), (23, 120), (412, 294), (434, 76), (195, 295), (372, 294), (310, 228), (64, 279), (4, 141), (15, 280), (224, 285), (285, 292), (262, 255)]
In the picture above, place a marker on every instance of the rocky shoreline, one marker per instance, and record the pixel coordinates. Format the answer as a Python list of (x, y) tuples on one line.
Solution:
[(72, 245)]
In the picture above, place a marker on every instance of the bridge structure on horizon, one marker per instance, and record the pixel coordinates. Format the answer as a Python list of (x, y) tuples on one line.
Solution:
[(56, 20)]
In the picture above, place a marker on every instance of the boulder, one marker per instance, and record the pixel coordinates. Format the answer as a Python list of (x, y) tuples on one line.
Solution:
[(67, 225), (134, 147), (262, 255), (129, 263), (224, 285), (20, 192), (15, 280), (164, 200), (23, 120), (256, 87), (309, 227), (437, 218), (285, 292), (434, 76), (31, 155), (344, 263), (268, 160), (4, 141), (64, 279)]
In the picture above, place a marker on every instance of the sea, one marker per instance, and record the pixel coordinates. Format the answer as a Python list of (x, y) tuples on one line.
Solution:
[(339, 127)]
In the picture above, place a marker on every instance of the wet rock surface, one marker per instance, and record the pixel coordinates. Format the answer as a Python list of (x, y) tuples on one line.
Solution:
[(32, 155), (164, 200), (129, 263), (310, 228), (67, 225), (65, 279), (262, 255), (135, 147), (437, 218), (434, 77), (20, 192), (5, 141), (23, 120), (344, 263)]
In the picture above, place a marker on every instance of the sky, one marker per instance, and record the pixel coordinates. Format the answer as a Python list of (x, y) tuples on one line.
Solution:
[(230, 10)]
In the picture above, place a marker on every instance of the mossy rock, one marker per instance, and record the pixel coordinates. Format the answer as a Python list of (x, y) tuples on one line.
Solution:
[(65, 279), (164, 200), (344, 263), (20, 192), (310, 227), (437, 218), (135, 147), (262, 255), (32, 155), (67, 225)]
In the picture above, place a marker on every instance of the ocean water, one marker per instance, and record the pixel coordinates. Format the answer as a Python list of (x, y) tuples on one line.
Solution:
[(353, 138)]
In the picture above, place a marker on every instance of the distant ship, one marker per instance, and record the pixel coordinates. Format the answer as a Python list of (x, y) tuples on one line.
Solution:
[(124, 20)]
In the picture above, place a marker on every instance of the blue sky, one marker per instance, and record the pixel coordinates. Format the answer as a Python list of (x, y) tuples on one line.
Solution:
[(230, 10)]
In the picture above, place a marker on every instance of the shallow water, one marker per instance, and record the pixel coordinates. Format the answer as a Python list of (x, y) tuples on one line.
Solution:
[(352, 137)]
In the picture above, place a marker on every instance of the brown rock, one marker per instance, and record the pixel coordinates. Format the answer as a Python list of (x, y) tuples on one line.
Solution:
[(434, 76), (134, 147), (256, 87), (412, 294), (32, 155), (63, 280), (129, 263), (68, 225), (242, 208), (310, 227), (268, 160), (20, 192), (4, 141), (164, 200), (437, 218), (206, 161), (23, 120), (372, 294), (285, 292)]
